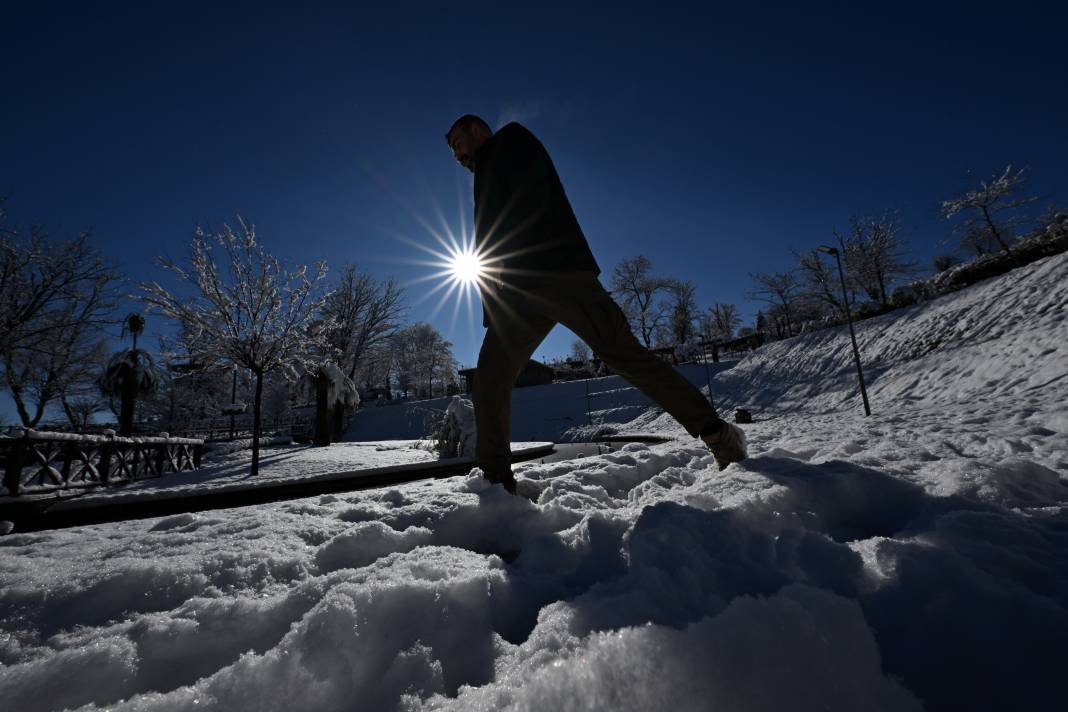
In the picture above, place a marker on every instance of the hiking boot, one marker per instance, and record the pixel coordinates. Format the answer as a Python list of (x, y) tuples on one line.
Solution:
[(506, 480), (727, 443)]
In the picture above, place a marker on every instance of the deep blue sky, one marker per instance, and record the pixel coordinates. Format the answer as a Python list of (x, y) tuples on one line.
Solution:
[(712, 139)]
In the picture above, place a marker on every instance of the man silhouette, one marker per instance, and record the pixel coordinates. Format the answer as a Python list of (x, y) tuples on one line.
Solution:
[(538, 271)]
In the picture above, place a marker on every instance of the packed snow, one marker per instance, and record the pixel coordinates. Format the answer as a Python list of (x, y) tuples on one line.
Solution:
[(914, 559)]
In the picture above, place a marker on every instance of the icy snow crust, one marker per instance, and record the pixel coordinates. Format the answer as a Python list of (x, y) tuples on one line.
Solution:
[(915, 558)]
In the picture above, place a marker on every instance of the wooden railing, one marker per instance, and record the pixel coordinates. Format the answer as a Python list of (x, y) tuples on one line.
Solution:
[(36, 461)]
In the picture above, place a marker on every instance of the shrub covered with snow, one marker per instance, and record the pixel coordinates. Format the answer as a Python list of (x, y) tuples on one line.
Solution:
[(457, 436)]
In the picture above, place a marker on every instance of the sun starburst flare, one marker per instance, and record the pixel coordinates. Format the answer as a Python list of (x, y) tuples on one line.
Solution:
[(459, 271), (467, 266)]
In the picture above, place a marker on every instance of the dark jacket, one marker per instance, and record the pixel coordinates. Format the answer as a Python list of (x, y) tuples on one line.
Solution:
[(524, 224)]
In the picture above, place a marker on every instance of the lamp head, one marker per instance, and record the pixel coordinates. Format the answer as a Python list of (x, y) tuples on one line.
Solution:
[(827, 250)]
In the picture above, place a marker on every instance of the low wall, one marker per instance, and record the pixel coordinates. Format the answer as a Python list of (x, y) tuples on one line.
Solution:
[(538, 412)]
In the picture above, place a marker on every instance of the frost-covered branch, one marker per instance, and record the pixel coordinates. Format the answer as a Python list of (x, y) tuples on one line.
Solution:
[(990, 212), (250, 311)]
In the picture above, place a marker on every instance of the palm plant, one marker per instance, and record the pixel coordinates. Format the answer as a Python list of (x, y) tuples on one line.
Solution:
[(130, 373), (331, 389)]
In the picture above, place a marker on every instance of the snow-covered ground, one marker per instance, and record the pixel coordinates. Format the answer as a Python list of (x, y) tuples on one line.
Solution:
[(917, 558)]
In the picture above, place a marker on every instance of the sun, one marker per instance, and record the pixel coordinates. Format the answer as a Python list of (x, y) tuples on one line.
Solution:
[(466, 266)]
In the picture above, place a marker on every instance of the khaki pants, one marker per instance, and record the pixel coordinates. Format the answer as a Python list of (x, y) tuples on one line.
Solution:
[(520, 318)]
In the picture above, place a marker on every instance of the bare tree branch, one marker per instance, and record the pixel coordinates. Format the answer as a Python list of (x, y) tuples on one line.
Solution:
[(638, 293)]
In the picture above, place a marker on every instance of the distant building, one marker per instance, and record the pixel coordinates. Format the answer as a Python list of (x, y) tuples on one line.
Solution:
[(534, 373)]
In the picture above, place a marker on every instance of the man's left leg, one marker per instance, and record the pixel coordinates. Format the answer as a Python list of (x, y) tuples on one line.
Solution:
[(510, 341)]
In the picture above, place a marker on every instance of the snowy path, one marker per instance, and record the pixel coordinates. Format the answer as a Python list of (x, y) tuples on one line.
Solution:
[(918, 558)]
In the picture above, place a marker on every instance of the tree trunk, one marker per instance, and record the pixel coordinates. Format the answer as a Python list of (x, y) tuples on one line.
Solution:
[(995, 232), (256, 404), (20, 405), (323, 426), (126, 409), (75, 426), (339, 421)]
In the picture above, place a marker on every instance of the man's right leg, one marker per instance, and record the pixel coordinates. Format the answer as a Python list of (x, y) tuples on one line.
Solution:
[(579, 302), (510, 340)]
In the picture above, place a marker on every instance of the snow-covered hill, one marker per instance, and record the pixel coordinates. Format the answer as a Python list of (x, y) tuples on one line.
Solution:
[(1002, 341), (916, 558)]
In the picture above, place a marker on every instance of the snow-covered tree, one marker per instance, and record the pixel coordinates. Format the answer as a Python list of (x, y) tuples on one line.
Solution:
[(56, 299), (331, 389), (245, 309), (377, 368), (58, 364), (423, 358), (278, 396), (720, 321), (820, 279), (780, 290), (991, 213), (639, 294), (362, 312), (580, 351), (682, 313), (48, 285), (81, 408), (193, 389), (874, 256)]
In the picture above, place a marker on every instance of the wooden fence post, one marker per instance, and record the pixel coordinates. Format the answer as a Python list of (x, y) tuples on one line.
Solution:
[(105, 462), (68, 459), (13, 472), (136, 461)]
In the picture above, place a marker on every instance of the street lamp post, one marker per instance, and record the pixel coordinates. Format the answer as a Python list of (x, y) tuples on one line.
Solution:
[(233, 400), (708, 379), (849, 318)]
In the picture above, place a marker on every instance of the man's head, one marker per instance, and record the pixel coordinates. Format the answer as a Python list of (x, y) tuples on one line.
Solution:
[(466, 136)]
